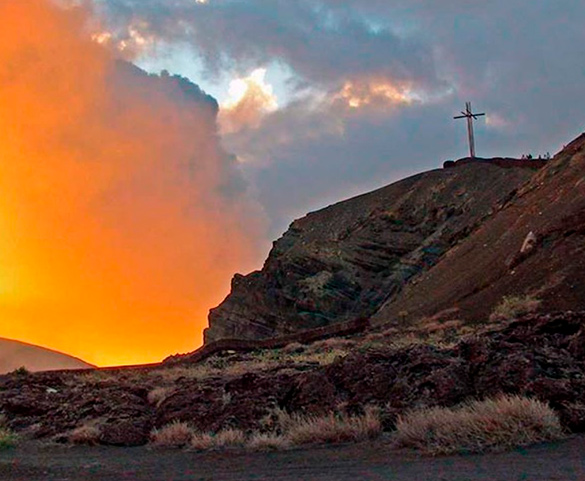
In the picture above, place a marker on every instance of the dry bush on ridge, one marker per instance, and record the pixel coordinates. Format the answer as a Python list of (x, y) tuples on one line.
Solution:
[(267, 442), (479, 426), (333, 429), (87, 435), (512, 307), (174, 435)]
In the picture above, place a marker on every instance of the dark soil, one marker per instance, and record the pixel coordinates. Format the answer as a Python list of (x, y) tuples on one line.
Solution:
[(35, 462)]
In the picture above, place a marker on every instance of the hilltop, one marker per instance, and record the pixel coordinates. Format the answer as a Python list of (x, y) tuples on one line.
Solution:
[(357, 257)]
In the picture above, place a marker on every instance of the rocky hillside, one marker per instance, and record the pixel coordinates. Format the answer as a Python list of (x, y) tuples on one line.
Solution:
[(14, 354), (352, 258), (549, 213)]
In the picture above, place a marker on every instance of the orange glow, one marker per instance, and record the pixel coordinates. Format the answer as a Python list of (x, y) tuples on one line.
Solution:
[(119, 229), (375, 93)]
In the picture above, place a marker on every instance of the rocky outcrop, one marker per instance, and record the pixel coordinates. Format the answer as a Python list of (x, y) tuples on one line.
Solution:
[(349, 259)]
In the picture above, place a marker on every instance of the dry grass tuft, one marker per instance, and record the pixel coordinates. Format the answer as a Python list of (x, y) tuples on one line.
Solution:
[(202, 441), (158, 395), (513, 307), (334, 429), (267, 442), (87, 435), (480, 426), (229, 438), (174, 435)]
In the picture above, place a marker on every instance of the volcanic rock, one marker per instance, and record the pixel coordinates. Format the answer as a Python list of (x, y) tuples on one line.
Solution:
[(349, 259)]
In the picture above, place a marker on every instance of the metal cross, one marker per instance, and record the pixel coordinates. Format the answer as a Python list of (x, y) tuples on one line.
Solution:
[(470, 116)]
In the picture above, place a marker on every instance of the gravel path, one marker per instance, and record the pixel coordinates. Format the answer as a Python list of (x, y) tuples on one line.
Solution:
[(563, 461)]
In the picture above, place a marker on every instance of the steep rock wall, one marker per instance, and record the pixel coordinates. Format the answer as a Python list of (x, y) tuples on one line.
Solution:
[(347, 260)]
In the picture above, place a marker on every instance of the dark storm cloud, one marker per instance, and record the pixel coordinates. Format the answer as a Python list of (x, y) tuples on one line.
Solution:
[(320, 44), (521, 61)]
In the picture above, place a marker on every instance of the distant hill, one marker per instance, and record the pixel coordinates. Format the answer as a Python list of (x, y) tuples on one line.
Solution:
[(15, 354)]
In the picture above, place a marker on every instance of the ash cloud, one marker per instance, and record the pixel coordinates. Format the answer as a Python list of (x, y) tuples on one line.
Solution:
[(123, 217)]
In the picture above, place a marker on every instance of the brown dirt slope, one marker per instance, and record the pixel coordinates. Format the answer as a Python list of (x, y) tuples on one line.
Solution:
[(345, 261), (475, 275), (15, 354)]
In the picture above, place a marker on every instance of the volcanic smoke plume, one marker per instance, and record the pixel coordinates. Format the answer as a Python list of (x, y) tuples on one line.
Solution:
[(122, 218)]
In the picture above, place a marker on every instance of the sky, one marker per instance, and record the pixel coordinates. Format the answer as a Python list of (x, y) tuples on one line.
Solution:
[(131, 197)]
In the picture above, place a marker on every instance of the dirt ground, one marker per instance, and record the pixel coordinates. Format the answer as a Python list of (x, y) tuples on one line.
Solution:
[(564, 461)]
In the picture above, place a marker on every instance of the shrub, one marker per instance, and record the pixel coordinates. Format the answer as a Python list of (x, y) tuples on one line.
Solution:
[(512, 307), (158, 395), (267, 442), (174, 435), (86, 434), (334, 429), (478, 426), (7, 439)]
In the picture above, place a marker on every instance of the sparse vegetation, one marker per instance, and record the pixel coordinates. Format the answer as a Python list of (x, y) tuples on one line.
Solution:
[(158, 395), (255, 362), (479, 426), (512, 307), (228, 438), (202, 441), (334, 428), (87, 434), (21, 371), (267, 442), (7, 438), (174, 435)]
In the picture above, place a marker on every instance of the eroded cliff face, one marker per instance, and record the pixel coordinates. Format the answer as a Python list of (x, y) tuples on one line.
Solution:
[(349, 259)]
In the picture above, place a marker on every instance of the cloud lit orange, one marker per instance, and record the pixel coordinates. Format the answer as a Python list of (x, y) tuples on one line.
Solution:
[(121, 218)]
